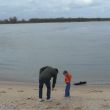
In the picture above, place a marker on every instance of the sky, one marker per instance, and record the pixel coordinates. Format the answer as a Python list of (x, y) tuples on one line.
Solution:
[(54, 8)]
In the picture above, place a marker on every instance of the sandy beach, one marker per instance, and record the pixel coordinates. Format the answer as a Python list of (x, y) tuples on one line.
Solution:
[(18, 96)]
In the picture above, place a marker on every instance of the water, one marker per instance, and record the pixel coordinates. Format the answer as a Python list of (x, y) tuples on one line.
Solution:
[(82, 48)]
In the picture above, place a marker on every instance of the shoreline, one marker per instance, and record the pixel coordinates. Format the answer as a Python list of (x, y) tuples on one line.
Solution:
[(54, 22), (60, 84)]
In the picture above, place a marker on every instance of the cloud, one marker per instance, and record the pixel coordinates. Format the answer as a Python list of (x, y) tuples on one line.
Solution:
[(45, 4), (83, 2), (62, 5), (53, 8)]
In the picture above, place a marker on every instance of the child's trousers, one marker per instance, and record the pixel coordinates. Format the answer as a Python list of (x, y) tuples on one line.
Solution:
[(67, 89)]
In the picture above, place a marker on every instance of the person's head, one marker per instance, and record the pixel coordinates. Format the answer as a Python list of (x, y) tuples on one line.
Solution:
[(65, 72), (56, 70)]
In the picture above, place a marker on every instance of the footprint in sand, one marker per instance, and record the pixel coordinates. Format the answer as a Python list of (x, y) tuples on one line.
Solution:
[(35, 89), (64, 108), (20, 91), (77, 108), (106, 106), (58, 103), (30, 98), (95, 91), (49, 107), (3, 91), (10, 88)]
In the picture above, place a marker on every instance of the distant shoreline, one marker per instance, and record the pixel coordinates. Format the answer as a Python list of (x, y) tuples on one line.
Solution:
[(14, 20)]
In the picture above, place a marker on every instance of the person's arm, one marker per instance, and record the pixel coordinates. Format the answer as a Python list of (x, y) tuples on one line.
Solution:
[(42, 69), (54, 81)]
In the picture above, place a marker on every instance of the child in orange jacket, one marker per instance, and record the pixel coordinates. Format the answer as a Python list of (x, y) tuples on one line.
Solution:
[(67, 78)]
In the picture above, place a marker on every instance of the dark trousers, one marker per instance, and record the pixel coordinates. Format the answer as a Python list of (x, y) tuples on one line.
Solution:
[(67, 90), (48, 85)]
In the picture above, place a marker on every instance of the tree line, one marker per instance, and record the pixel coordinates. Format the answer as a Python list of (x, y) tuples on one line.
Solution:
[(14, 20)]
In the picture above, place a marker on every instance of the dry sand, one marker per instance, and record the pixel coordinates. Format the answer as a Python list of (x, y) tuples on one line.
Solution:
[(19, 96)]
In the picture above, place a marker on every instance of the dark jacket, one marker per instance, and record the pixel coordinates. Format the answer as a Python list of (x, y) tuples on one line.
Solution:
[(46, 73)]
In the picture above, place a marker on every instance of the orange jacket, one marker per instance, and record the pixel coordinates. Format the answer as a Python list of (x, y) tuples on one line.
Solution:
[(68, 78)]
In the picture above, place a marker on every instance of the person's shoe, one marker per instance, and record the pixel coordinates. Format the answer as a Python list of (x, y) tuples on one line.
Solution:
[(67, 96), (41, 100), (49, 100)]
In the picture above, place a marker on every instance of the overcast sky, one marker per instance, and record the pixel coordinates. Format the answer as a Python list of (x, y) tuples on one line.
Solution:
[(54, 8)]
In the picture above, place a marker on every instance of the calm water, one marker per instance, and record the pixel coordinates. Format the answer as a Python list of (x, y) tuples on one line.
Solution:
[(82, 48)]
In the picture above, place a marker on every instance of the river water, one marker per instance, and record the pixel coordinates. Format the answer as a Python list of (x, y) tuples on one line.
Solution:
[(81, 48)]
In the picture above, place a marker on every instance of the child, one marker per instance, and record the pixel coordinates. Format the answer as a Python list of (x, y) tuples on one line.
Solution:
[(67, 78)]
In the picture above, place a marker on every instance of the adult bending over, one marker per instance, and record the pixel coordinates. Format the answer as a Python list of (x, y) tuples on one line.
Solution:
[(45, 75)]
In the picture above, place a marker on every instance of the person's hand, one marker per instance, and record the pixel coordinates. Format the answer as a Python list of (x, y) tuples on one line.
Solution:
[(52, 89)]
